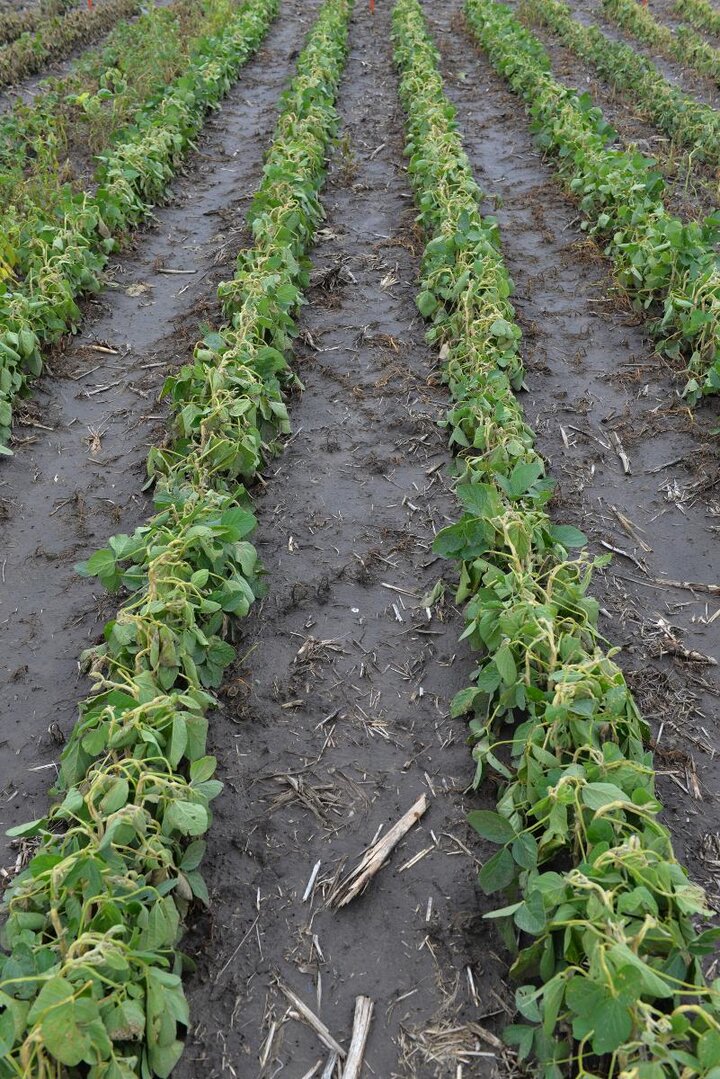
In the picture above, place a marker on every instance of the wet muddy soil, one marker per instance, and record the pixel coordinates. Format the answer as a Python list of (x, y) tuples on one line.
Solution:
[(335, 720), (78, 470)]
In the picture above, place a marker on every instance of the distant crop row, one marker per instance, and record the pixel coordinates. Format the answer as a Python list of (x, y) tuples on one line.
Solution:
[(700, 14), (686, 121), (15, 23), (678, 43), (56, 239), (658, 258), (55, 37)]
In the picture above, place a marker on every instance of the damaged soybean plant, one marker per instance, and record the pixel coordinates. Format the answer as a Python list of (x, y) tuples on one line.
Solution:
[(601, 915), (668, 266), (57, 239), (90, 983)]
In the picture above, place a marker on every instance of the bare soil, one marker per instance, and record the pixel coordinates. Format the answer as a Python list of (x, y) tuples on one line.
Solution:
[(335, 719)]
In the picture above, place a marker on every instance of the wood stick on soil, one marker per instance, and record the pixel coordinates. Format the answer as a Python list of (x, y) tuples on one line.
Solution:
[(375, 856), (631, 529), (692, 586), (620, 451), (329, 1067), (311, 882), (312, 1020), (361, 1028), (625, 554)]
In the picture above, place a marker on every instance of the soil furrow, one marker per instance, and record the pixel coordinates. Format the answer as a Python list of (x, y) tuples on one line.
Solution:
[(78, 478), (337, 720), (593, 376)]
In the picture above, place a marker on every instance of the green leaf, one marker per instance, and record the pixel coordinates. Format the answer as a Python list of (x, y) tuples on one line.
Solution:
[(652, 983), (198, 886), (489, 679), (12, 1022), (71, 1028), (530, 915), (502, 912), (193, 855), (462, 702), (126, 1022), (201, 770), (480, 499), (72, 802), (55, 991), (491, 826), (597, 795), (115, 797), (426, 303), (186, 818), (502, 328), (584, 996), (467, 539), (164, 1058), (568, 536), (552, 1001), (520, 1036), (7, 1029), (612, 1024), (526, 998), (287, 293), (215, 341), (525, 850), (30, 828), (498, 872), (178, 740), (238, 523), (505, 664), (709, 1049), (101, 564), (523, 476)]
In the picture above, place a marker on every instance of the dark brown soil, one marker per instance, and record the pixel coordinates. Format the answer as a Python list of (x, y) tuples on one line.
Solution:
[(335, 720)]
